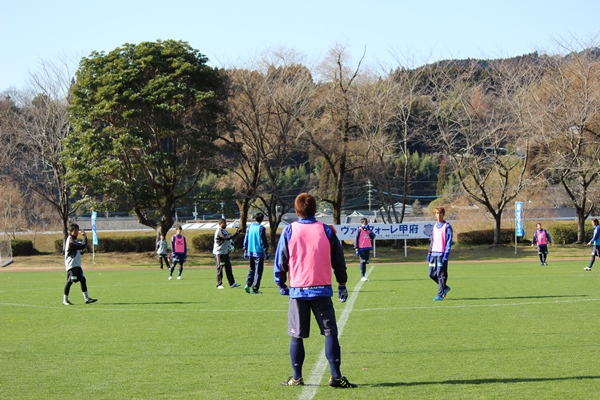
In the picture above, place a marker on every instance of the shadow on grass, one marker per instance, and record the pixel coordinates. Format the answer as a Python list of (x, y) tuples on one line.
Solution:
[(515, 297), (484, 381), (154, 303)]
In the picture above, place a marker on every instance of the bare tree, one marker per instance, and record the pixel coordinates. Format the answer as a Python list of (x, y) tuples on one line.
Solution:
[(376, 115), (565, 115), (331, 130), (13, 217), (265, 105), (290, 90), (479, 131), (39, 123), (248, 121), (390, 120)]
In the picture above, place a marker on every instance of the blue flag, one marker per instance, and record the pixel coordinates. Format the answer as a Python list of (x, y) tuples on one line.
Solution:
[(519, 231), (94, 236)]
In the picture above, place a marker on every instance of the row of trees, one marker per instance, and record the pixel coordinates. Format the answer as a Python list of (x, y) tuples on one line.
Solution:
[(151, 126)]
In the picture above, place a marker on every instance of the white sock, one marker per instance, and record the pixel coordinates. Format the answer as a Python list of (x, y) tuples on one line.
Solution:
[(85, 296), (65, 298)]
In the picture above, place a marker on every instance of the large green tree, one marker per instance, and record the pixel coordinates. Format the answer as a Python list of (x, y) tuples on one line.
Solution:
[(145, 120)]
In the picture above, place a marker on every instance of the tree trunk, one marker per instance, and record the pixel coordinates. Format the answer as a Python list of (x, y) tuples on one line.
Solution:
[(580, 224), (497, 226)]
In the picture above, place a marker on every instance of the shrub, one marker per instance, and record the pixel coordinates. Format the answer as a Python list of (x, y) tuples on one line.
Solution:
[(133, 244), (566, 233), (486, 236), (399, 243), (204, 242), (23, 248)]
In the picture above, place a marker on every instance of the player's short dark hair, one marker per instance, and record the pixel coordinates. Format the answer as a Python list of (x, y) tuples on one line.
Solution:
[(595, 221), (73, 226), (221, 220), (305, 205), (258, 217)]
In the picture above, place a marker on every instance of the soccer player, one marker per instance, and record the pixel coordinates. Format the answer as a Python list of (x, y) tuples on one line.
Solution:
[(179, 252), (256, 249), (542, 238), (596, 242), (161, 250), (439, 251), (363, 245), (73, 249), (221, 252), (307, 252)]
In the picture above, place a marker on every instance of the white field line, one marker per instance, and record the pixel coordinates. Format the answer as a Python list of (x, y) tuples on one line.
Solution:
[(316, 375)]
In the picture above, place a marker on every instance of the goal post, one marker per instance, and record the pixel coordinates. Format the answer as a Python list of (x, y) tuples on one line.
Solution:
[(5, 252)]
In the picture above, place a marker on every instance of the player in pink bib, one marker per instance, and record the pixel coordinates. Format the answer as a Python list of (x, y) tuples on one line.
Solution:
[(542, 238), (363, 245), (179, 254)]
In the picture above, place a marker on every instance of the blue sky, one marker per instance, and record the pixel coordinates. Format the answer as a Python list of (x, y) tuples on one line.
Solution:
[(230, 32)]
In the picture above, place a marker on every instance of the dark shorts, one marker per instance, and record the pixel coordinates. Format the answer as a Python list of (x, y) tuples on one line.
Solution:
[(596, 251), (299, 313), (75, 274), (178, 257), (364, 254), (542, 249)]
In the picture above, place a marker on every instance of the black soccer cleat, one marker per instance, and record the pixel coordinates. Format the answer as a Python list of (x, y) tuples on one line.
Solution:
[(90, 301), (342, 382)]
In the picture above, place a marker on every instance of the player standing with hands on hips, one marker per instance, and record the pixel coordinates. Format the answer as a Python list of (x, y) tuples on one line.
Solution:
[(307, 252), (73, 249), (439, 251)]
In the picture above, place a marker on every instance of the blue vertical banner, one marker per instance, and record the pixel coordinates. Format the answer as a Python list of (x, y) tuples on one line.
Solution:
[(94, 235), (519, 231)]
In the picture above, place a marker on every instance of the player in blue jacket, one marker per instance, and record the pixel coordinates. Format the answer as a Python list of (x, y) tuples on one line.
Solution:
[(596, 242), (256, 249), (439, 252)]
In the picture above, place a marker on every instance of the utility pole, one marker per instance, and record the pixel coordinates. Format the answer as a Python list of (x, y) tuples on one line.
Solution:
[(369, 185)]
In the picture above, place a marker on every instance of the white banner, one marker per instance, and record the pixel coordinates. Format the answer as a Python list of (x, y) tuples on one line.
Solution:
[(406, 230)]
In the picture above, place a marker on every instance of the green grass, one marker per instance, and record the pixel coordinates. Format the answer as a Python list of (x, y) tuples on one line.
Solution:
[(507, 330)]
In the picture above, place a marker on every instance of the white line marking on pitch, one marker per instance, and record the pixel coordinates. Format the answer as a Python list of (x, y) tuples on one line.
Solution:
[(308, 392)]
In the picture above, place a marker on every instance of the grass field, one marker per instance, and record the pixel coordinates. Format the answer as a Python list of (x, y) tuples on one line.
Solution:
[(507, 330)]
